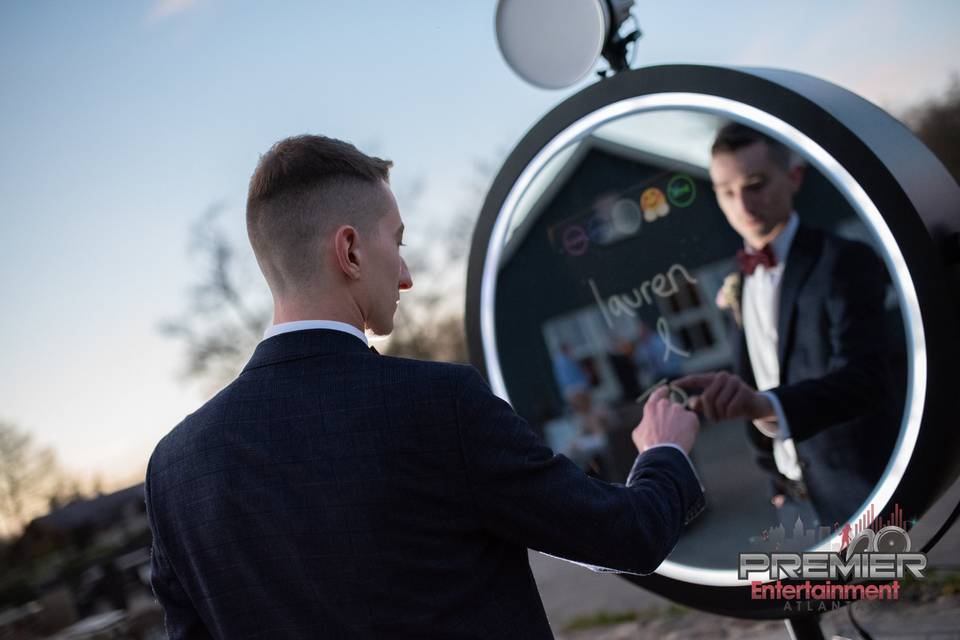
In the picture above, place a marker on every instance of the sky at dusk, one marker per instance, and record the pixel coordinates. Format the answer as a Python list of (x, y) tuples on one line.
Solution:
[(123, 121)]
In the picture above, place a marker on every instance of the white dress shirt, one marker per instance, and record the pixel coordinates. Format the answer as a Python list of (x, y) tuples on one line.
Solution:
[(761, 302), (299, 325)]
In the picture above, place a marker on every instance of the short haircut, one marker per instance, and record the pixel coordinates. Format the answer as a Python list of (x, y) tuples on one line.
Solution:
[(734, 136), (303, 188)]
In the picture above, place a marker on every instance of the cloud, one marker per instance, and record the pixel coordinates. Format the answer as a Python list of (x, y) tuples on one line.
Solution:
[(163, 9)]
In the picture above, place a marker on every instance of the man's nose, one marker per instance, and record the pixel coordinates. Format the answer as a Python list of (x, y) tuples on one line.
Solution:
[(406, 281)]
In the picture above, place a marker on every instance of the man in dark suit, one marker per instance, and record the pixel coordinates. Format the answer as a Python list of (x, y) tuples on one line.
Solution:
[(811, 372), (332, 492)]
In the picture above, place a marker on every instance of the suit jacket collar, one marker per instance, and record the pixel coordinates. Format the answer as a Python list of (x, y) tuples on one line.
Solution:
[(804, 252), (307, 343)]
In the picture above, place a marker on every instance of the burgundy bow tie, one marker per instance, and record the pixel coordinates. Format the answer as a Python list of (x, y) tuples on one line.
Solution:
[(748, 261)]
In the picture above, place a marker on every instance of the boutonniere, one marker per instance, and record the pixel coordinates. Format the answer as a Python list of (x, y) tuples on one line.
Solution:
[(729, 297)]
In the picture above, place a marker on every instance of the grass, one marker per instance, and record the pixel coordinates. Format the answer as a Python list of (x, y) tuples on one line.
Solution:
[(610, 618), (934, 583), (600, 619)]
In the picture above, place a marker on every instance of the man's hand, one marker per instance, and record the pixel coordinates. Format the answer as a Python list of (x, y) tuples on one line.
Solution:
[(665, 422), (726, 396)]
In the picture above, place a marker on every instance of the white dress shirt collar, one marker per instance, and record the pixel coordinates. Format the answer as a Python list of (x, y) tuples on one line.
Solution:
[(300, 325), (781, 244)]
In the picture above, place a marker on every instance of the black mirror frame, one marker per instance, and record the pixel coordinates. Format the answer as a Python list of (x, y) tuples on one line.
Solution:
[(918, 200)]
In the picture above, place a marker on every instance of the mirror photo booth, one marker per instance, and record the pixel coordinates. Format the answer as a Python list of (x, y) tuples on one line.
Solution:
[(602, 264)]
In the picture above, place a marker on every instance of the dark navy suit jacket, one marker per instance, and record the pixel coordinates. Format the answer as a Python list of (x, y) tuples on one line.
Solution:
[(836, 386), (329, 492)]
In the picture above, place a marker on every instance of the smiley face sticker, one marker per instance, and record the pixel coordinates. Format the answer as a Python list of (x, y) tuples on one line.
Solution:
[(653, 204)]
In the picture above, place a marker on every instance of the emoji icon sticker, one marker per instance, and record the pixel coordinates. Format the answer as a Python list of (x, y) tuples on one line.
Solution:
[(654, 204), (681, 190), (575, 240)]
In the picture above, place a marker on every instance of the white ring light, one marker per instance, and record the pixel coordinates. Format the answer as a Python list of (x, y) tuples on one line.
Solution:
[(836, 174)]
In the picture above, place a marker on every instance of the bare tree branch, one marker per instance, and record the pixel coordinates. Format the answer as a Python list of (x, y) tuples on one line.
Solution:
[(28, 478), (937, 123), (225, 318)]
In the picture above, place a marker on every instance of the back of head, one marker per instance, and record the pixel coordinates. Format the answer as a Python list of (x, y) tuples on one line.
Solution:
[(303, 188)]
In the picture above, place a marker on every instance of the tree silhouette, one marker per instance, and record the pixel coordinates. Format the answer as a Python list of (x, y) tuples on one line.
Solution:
[(429, 323), (937, 123), (227, 311), (29, 478)]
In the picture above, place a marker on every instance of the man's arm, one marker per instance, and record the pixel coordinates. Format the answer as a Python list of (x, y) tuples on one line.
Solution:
[(180, 618), (856, 381), (528, 495)]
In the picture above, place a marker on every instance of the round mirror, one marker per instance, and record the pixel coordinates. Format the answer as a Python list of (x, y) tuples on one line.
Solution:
[(627, 243)]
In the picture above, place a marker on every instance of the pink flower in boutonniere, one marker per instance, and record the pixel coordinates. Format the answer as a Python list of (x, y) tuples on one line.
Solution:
[(729, 297)]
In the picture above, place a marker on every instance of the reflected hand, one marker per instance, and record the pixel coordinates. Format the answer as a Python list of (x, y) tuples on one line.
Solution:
[(665, 422), (726, 396)]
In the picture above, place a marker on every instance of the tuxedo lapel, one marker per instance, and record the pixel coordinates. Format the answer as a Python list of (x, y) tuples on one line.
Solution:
[(741, 357), (803, 254)]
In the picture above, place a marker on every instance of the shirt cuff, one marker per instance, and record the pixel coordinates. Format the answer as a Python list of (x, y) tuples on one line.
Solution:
[(686, 457), (779, 429)]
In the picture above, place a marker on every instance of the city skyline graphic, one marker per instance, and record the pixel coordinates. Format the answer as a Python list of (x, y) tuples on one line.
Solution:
[(776, 539)]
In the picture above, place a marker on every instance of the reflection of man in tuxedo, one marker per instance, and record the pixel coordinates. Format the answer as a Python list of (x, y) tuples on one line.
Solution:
[(811, 373), (332, 492)]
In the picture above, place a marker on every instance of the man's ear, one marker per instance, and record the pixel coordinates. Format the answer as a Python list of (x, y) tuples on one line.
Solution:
[(796, 174), (346, 249)]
